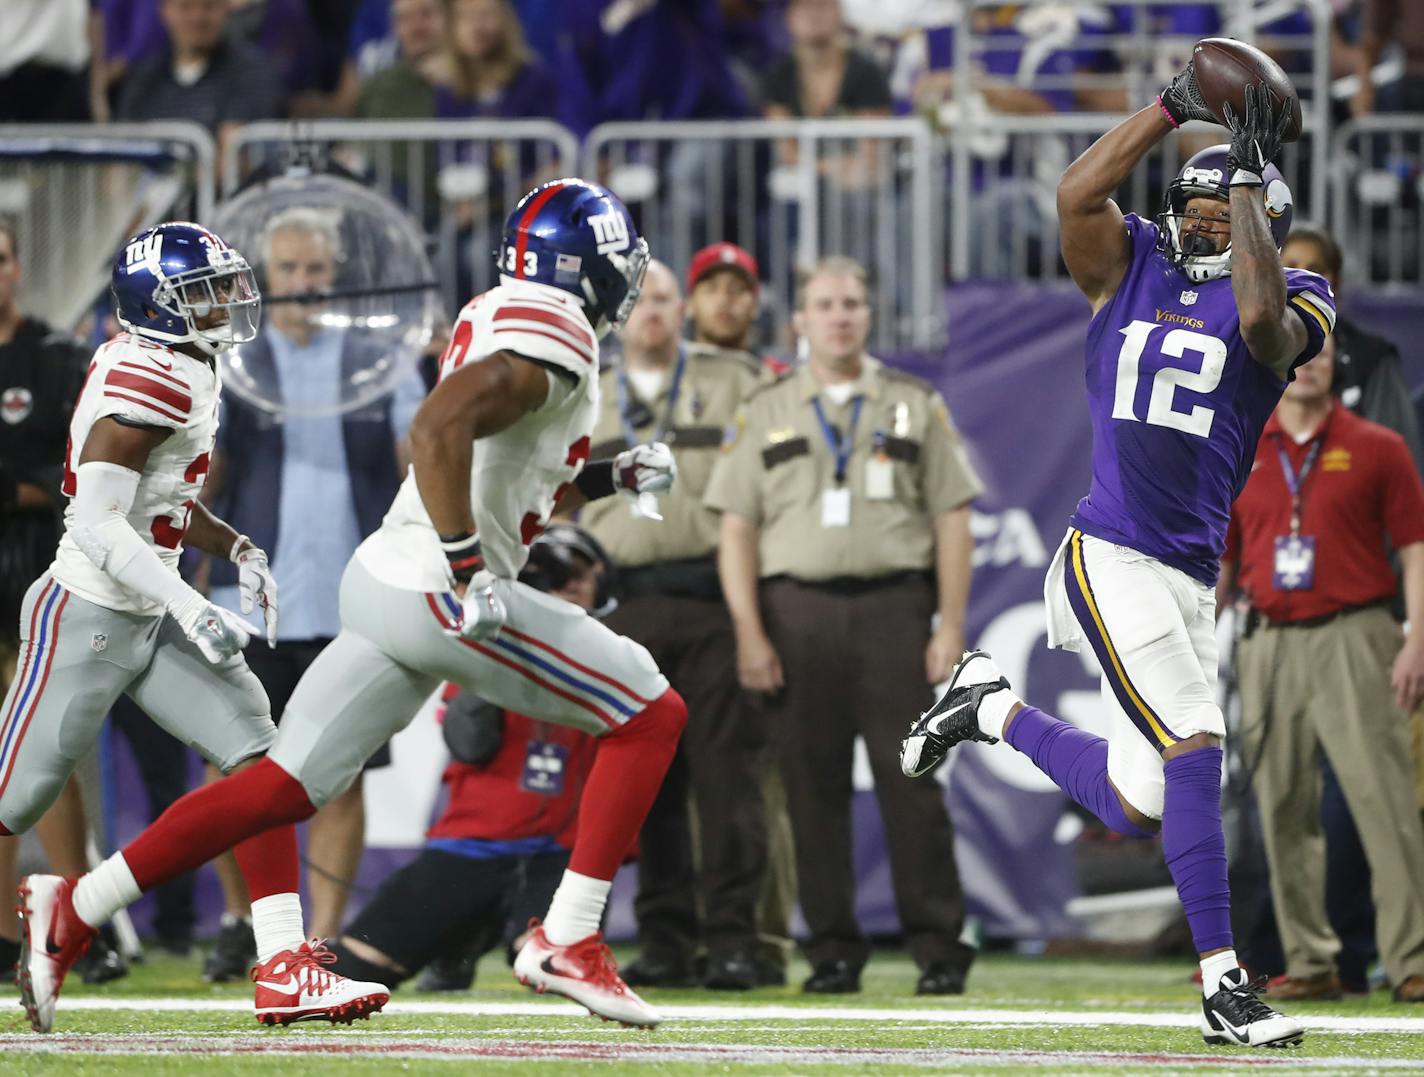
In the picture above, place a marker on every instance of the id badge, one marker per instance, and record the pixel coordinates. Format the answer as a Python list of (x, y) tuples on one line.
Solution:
[(1295, 563), (835, 507), (879, 478), (544, 769)]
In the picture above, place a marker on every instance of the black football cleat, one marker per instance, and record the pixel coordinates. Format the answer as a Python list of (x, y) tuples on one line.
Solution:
[(1236, 1014), (955, 717)]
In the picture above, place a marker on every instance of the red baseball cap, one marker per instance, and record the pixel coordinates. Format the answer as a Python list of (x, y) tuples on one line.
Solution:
[(723, 255)]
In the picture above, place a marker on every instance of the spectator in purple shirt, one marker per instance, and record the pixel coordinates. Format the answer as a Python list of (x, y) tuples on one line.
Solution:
[(655, 59)]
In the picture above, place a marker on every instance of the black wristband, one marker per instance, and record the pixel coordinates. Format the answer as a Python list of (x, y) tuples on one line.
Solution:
[(464, 555), (596, 480)]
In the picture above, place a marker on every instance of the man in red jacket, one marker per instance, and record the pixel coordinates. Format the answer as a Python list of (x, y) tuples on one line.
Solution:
[(498, 850)]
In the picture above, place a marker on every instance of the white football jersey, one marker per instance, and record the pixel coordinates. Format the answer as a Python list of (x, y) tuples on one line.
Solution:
[(517, 474), (142, 382)]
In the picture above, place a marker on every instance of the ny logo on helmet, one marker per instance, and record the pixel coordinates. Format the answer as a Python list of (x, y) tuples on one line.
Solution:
[(144, 253), (610, 231)]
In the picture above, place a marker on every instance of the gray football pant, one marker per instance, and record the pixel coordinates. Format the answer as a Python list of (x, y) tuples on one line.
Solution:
[(77, 658), (551, 661)]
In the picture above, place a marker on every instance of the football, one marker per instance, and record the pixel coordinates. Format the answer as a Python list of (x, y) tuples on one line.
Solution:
[(1224, 68)]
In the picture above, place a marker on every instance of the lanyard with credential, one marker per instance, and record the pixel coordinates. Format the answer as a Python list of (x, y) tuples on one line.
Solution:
[(1295, 483), (840, 448), (630, 434)]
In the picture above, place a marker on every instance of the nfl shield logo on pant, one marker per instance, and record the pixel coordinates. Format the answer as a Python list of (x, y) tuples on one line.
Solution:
[(99, 642)]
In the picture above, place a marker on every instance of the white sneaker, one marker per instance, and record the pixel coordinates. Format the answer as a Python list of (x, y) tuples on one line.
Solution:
[(293, 986), (1236, 1014), (585, 972), (955, 716), (53, 939)]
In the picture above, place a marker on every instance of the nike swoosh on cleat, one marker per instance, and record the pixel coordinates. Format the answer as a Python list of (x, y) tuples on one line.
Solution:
[(289, 986), (548, 966)]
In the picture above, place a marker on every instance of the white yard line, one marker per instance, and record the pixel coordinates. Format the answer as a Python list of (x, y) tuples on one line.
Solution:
[(926, 1015)]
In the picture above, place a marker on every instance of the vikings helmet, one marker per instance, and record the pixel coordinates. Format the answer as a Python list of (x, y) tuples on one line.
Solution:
[(169, 277), (580, 238), (1208, 175)]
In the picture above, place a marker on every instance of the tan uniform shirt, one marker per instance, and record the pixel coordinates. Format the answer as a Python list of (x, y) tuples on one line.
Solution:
[(714, 384), (907, 464)]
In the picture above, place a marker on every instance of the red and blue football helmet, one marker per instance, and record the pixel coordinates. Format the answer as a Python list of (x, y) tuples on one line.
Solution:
[(178, 283), (580, 238), (1207, 174)]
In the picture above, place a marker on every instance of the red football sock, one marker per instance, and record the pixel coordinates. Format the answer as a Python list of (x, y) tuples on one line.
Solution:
[(627, 773), (269, 862), (214, 818)]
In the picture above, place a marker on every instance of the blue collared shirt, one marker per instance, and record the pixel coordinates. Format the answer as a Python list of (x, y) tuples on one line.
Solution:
[(317, 528)]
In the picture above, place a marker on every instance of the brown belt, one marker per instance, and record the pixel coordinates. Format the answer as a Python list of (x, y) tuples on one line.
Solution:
[(852, 585), (1324, 618)]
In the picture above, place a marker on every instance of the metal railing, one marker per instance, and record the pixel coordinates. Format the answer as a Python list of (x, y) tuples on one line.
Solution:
[(79, 190), (457, 178), (1377, 187), (791, 191)]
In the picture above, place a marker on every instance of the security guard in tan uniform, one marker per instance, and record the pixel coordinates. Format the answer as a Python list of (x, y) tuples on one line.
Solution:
[(723, 299), (845, 527), (672, 604)]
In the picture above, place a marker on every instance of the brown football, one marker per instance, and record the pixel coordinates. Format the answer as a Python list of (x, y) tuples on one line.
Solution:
[(1224, 68)]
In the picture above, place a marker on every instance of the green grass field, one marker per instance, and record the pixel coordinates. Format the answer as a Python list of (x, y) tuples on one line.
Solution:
[(1022, 1015)]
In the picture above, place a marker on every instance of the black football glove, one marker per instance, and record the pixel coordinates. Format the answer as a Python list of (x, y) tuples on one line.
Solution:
[(1182, 99), (1256, 137)]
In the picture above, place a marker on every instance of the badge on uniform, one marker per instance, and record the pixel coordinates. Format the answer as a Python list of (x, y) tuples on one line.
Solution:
[(879, 472), (544, 769), (1295, 563), (835, 507)]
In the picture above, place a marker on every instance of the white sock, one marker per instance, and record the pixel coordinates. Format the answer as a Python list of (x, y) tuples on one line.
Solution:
[(577, 908), (1214, 968), (994, 711), (277, 925), (105, 890)]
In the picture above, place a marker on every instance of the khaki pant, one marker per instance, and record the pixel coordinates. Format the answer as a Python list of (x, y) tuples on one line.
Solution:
[(1304, 690)]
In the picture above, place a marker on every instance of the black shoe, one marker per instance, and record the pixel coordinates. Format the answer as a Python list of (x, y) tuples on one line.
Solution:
[(233, 953), (833, 978), (954, 718), (658, 970), (449, 972), (733, 970), (941, 978), (176, 945), (1236, 1014), (769, 973), (102, 962)]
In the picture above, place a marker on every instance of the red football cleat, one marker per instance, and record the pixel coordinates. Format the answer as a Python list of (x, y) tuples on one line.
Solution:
[(293, 986), (585, 972), (53, 939)]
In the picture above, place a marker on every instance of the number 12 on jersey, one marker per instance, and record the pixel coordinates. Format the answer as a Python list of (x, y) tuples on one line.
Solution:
[(1177, 344)]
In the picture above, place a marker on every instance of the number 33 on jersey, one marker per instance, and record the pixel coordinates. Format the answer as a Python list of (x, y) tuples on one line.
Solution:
[(146, 384)]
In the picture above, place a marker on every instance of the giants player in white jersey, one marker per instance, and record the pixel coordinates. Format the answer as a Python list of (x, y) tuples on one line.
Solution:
[(432, 596), (113, 616)]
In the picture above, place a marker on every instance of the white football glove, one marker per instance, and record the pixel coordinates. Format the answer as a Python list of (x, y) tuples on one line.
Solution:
[(483, 612), (642, 473), (257, 585), (217, 632)]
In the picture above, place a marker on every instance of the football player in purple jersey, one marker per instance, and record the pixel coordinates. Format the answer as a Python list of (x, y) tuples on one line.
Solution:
[(1196, 329)]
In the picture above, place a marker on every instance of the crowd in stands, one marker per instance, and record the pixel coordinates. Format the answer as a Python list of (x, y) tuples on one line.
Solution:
[(584, 62)]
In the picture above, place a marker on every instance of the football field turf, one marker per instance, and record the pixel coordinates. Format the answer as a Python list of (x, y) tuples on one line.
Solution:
[(1023, 1015)]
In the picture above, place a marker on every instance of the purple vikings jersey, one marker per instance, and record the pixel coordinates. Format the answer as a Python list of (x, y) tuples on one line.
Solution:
[(1178, 406)]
